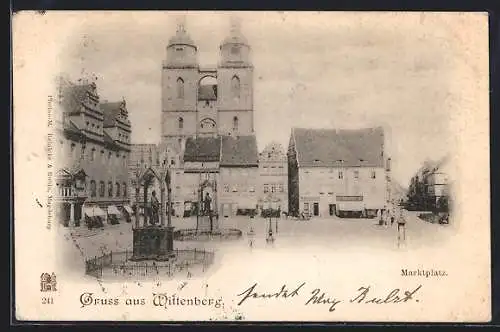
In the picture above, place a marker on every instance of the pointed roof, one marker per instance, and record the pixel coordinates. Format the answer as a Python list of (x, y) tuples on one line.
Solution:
[(333, 147), (235, 34), (202, 149), (114, 111), (239, 151), (181, 37), (73, 95)]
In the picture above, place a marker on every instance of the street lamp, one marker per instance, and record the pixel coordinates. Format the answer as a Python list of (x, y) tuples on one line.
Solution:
[(274, 206), (251, 232), (270, 237)]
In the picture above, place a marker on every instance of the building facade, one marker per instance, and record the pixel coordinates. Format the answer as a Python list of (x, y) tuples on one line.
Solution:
[(337, 172), (273, 178), (207, 127), (430, 185), (92, 151)]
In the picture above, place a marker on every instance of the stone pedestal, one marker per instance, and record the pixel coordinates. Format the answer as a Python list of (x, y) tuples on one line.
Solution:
[(167, 244), (153, 243)]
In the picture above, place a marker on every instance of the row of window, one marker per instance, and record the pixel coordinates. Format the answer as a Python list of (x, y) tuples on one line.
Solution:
[(274, 188), (92, 125), (97, 127), (235, 87), (273, 167), (165, 162), (93, 152), (340, 175), (353, 191), (234, 189), (123, 136), (112, 191), (180, 123)]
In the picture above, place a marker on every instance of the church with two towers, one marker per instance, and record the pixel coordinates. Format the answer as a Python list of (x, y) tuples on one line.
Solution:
[(207, 128)]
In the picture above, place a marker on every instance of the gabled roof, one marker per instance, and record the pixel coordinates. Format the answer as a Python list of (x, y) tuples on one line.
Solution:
[(202, 149), (70, 126), (109, 141), (112, 111), (74, 95), (332, 147), (239, 151), (228, 150)]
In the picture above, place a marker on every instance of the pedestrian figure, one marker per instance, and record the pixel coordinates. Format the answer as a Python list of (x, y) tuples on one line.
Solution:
[(385, 215), (401, 225), (379, 217)]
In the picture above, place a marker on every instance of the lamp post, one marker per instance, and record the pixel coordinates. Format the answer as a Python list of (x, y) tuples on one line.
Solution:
[(167, 177), (278, 216), (251, 232), (137, 193), (270, 237)]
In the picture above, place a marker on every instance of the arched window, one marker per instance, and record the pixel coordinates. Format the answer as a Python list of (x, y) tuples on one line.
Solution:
[(118, 190), (235, 87), (181, 123), (180, 88), (101, 189), (110, 189), (93, 189), (235, 123), (124, 189)]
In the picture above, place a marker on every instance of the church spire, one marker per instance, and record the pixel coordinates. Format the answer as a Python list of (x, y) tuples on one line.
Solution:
[(235, 26), (181, 24)]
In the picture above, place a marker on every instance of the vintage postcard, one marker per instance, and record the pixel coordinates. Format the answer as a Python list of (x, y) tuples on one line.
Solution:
[(251, 166)]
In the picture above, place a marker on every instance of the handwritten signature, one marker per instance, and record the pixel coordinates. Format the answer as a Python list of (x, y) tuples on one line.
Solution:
[(363, 294)]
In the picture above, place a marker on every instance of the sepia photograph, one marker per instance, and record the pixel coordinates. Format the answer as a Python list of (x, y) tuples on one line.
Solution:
[(252, 166)]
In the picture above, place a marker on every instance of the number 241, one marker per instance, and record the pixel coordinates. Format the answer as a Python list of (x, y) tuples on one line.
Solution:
[(47, 300)]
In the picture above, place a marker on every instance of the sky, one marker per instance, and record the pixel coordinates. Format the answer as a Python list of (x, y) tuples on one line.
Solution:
[(316, 70)]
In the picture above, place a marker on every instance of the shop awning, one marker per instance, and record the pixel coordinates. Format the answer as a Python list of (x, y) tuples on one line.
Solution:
[(94, 211), (113, 210), (128, 209), (350, 206)]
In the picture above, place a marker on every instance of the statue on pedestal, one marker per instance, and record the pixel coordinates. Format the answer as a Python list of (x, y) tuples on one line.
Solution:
[(155, 208), (207, 204)]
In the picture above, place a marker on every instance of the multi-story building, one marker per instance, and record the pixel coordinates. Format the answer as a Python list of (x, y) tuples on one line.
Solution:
[(436, 180), (334, 172), (273, 178), (208, 136), (92, 151)]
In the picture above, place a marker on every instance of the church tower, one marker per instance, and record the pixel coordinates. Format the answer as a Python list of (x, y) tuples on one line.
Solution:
[(179, 89), (235, 85)]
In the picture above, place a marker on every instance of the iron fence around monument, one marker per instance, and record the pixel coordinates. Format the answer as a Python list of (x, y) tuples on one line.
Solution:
[(118, 263), (192, 234)]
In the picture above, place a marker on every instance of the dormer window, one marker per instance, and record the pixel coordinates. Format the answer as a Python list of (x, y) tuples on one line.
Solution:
[(235, 50)]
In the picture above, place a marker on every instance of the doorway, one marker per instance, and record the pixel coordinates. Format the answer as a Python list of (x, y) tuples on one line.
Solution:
[(333, 209), (316, 209)]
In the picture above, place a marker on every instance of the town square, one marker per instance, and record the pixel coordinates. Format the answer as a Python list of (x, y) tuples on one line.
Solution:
[(209, 184)]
